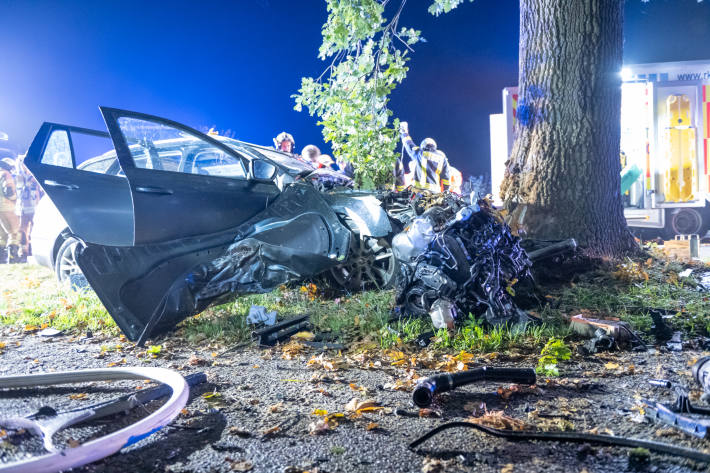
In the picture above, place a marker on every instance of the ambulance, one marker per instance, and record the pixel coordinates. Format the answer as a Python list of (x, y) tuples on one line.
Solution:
[(665, 146)]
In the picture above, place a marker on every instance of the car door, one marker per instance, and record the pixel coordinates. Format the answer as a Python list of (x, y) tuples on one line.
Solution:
[(207, 190), (96, 206)]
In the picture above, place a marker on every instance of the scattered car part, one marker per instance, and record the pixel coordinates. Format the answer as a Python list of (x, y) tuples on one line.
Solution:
[(58, 460), (661, 330), (281, 331), (471, 260), (258, 315), (425, 390), (672, 414), (576, 437), (553, 249), (701, 373), (676, 342), (605, 334), (587, 326)]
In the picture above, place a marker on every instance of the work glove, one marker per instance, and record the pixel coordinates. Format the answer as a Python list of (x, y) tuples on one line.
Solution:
[(404, 128)]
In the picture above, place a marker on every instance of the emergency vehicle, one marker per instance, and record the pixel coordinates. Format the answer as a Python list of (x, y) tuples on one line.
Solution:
[(665, 145)]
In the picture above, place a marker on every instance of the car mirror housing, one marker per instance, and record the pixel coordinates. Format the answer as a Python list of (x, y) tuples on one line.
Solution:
[(262, 170)]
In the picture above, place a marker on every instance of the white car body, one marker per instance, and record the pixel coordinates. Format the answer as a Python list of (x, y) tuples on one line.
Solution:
[(47, 229)]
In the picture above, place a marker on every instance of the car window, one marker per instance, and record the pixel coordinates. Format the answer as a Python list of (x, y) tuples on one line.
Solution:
[(88, 152), (58, 150), (215, 162), (163, 148), (99, 164)]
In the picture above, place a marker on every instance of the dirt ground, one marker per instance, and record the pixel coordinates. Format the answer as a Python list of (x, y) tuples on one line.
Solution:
[(254, 413)]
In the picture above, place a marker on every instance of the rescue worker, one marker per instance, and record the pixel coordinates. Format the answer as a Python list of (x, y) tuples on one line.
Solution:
[(9, 223), (345, 168), (325, 161), (284, 142), (310, 155), (431, 170), (455, 180), (28, 195)]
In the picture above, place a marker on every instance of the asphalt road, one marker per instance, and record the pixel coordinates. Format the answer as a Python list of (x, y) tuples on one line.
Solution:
[(260, 416)]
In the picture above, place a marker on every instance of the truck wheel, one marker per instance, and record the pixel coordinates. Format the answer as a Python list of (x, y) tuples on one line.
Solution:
[(685, 221)]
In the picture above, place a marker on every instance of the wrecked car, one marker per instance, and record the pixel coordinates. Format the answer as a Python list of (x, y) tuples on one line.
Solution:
[(177, 220)]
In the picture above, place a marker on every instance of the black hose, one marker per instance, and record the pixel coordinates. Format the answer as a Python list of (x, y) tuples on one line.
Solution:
[(426, 389), (576, 437)]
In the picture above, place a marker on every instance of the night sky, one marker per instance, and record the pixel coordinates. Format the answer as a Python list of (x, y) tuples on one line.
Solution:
[(234, 64)]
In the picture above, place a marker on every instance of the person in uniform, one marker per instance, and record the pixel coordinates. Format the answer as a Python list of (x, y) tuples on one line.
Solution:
[(284, 142), (431, 167), (9, 223), (28, 195)]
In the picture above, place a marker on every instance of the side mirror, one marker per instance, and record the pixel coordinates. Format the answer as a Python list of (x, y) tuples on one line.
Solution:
[(262, 170)]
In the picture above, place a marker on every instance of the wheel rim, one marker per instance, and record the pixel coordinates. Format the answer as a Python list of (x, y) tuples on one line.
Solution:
[(371, 265), (67, 262), (687, 222)]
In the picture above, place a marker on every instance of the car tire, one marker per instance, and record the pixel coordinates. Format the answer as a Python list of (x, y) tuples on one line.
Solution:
[(686, 221), (65, 266), (370, 265)]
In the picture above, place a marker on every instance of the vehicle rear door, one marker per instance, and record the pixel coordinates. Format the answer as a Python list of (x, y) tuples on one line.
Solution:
[(95, 205)]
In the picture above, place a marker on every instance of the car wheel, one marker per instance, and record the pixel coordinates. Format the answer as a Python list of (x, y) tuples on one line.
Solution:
[(65, 266), (370, 265)]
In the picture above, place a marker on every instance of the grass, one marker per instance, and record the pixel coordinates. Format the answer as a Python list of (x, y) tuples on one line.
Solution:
[(31, 298), (343, 318), (658, 286)]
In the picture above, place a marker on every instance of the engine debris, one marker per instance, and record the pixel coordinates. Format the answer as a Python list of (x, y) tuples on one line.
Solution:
[(458, 259)]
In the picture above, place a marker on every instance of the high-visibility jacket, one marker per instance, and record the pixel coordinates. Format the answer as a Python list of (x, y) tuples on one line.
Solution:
[(431, 168)]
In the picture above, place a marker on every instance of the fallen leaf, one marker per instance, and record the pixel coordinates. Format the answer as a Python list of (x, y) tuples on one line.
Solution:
[(73, 443), (498, 420), (303, 336), (239, 432), (318, 427), (435, 465), (425, 412), (276, 407), (272, 430), (78, 396), (357, 405), (507, 468), (372, 426), (196, 361), (611, 366), (240, 465)]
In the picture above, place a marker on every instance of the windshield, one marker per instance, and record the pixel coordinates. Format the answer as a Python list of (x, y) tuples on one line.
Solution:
[(292, 164)]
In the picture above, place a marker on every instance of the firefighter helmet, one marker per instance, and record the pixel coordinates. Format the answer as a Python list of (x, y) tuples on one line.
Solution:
[(428, 144), (281, 137)]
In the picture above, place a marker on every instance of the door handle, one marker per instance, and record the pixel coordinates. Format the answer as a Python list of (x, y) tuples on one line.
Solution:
[(69, 187), (154, 190)]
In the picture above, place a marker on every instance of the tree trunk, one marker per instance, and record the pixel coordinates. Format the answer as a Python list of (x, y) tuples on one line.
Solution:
[(562, 178)]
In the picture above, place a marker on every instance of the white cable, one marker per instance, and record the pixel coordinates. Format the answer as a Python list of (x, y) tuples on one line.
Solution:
[(109, 444)]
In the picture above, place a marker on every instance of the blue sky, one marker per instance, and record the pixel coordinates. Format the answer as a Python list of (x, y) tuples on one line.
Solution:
[(234, 64)]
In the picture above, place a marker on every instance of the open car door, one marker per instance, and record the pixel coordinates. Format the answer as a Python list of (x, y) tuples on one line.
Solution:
[(199, 222), (95, 205)]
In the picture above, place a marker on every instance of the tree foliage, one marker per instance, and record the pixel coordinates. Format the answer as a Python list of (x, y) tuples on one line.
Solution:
[(368, 55)]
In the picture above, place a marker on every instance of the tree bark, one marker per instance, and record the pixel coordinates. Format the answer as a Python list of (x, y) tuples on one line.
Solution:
[(562, 179)]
